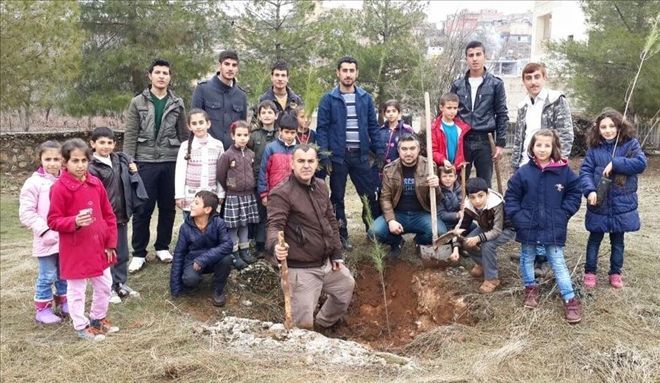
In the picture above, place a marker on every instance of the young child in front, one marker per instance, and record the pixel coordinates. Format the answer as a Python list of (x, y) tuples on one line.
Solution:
[(34, 202), (203, 247), (276, 161), (118, 173), (449, 207), (82, 215), (485, 207), (260, 137), (196, 162), (609, 181), (235, 174), (541, 197), (390, 132), (448, 134)]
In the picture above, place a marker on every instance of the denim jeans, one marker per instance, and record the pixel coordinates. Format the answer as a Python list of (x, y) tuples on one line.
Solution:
[(49, 274), (616, 255), (476, 149), (220, 270), (487, 255), (361, 175), (555, 255), (418, 222)]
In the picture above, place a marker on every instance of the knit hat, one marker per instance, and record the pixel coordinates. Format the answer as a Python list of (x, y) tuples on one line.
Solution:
[(475, 185)]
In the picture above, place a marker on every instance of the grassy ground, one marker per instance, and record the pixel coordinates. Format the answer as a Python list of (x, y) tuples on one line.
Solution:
[(617, 341)]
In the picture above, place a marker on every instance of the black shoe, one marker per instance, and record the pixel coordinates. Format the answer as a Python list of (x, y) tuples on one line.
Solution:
[(219, 300), (346, 243), (247, 256), (239, 264), (395, 251)]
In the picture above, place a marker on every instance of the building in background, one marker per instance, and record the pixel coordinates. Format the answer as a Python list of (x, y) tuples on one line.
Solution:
[(555, 20)]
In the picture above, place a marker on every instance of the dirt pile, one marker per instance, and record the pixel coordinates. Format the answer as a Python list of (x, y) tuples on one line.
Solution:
[(265, 339)]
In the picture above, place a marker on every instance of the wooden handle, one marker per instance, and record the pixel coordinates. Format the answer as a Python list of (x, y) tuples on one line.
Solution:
[(496, 164), (429, 161), (284, 277)]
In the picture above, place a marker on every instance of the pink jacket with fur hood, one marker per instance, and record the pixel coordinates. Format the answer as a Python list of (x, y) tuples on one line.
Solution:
[(34, 202)]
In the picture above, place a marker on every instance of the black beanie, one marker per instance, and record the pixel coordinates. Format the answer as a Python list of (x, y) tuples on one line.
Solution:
[(475, 185)]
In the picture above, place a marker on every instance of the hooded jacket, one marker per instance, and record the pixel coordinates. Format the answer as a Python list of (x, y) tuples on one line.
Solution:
[(389, 139), (439, 142), (275, 165), (450, 204), (540, 201), (82, 249), (34, 202), (490, 219)]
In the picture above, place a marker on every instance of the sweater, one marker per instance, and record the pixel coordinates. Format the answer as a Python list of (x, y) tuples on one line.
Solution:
[(199, 172)]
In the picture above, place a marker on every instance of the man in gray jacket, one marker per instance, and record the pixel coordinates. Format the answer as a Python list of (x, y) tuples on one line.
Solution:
[(155, 128), (221, 98)]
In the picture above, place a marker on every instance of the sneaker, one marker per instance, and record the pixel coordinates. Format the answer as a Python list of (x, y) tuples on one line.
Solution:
[(573, 311), (616, 281), (477, 271), (114, 297), (589, 280), (90, 333), (489, 285), (124, 291), (137, 263), (219, 300), (531, 297), (164, 256), (104, 326), (395, 251), (346, 243), (246, 255)]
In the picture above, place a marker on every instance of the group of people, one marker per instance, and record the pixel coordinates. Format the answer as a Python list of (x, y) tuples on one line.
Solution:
[(238, 181)]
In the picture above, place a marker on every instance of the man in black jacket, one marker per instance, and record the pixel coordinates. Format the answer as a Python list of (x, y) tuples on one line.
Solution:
[(482, 104), (221, 98)]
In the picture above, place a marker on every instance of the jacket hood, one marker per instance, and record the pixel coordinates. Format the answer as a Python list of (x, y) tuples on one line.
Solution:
[(190, 221), (552, 165), (494, 199), (41, 172)]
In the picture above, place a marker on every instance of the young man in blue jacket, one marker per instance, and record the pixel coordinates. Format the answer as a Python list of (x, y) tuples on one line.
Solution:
[(347, 129)]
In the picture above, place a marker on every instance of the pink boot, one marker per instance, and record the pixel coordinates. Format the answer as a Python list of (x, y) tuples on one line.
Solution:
[(61, 302), (45, 314)]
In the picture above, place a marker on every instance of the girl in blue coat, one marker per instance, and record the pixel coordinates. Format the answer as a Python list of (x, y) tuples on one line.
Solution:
[(614, 160), (540, 199)]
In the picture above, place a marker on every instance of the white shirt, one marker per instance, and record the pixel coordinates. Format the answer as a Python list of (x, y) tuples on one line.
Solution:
[(532, 120), (106, 160), (474, 86)]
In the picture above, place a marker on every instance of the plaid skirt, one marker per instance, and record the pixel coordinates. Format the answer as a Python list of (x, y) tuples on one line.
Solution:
[(241, 210)]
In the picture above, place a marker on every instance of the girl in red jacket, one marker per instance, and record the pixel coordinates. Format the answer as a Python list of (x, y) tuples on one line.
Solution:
[(82, 215)]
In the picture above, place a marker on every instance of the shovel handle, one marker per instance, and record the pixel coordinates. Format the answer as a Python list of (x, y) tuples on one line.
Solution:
[(496, 164), (429, 161)]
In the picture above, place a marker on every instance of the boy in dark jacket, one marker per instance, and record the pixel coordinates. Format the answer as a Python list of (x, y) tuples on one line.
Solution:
[(449, 207), (125, 191), (203, 247)]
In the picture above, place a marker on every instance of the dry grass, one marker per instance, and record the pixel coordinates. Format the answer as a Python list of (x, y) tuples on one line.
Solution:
[(617, 341)]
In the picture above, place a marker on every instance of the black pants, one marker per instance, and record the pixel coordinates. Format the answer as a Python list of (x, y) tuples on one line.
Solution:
[(120, 270), (220, 270), (476, 149), (158, 180)]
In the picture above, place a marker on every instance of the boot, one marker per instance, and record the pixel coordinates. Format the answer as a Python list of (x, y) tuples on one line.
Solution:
[(245, 255), (573, 311), (61, 302), (45, 314), (239, 264), (531, 297)]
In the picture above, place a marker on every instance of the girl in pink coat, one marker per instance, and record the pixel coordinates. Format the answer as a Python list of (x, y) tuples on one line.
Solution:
[(34, 202), (81, 213)]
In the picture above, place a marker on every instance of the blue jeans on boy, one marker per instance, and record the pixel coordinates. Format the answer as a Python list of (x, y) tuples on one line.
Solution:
[(616, 256), (418, 222), (487, 255), (49, 274), (555, 256)]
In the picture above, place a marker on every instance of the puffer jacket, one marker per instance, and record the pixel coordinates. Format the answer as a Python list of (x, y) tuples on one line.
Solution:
[(393, 187), (490, 111), (82, 249), (206, 248), (331, 125), (224, 105), (305, 214), (34, 202), (140, 139), (275, 166), (259, 138), (235, 171), (450, 204), (439, 142), (618, 213), (556, 115), (539, 202)]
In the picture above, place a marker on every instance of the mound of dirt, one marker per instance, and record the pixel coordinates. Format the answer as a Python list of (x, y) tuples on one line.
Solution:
[(418, 300), (264, 339)]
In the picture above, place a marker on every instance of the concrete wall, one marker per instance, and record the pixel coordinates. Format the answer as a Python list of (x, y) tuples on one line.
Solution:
[(18, 150)]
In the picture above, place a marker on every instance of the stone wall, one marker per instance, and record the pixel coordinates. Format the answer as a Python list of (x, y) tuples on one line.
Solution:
[(18, 150)]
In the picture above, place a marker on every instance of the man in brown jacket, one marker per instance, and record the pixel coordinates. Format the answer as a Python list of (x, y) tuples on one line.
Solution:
[(405, 200), (301, 207)]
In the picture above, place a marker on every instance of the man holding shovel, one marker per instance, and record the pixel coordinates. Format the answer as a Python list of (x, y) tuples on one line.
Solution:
[(405, 199), (301, 208)]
